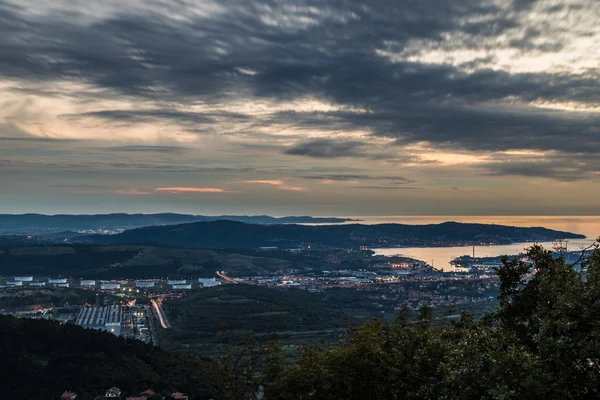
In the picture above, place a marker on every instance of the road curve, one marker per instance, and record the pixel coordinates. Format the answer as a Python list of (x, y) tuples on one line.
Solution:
[(161, 314), (225, 278)]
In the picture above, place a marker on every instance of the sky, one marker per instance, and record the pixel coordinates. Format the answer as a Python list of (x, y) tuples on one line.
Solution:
[(300, 107)]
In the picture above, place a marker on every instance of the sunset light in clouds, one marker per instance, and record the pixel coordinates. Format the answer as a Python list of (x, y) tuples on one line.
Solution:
[(369, 107), (190, 190)]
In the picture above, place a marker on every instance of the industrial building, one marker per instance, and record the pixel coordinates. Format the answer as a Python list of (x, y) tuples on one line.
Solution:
[(110, 286), (144, 284), (177, 282), (88, 283), (101, 318), (23, 278), (37, 284), (57, 281), (182, 287), (209, 282)]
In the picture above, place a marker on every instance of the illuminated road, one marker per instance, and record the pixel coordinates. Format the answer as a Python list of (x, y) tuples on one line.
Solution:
[(161, 314), (225, 278)]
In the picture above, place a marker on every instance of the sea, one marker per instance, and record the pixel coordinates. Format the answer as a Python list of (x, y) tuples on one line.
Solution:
[(440, 257)]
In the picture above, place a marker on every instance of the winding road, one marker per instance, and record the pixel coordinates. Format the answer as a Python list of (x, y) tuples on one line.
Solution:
[(161, 314), (225, 278)]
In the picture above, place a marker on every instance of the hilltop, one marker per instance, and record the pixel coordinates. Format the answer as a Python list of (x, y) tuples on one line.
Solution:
[(231, 234), (39, 224)]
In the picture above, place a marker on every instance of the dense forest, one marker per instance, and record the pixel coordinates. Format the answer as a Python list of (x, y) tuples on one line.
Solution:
[(40, 359)]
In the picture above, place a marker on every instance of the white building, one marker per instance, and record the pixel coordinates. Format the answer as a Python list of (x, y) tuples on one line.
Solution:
[(88, 283), (182, 287), (101, 318), (57, 281), (62, 285), (23, 278), (37, 284), (144, 284), (177, 281), (209, 282), (110, 286)]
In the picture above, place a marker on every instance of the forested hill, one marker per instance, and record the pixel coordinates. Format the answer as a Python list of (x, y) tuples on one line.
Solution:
[(229, 234), (40, 359), (38, 224)]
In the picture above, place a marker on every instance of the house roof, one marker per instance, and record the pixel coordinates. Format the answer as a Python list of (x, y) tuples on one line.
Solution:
[(68, 395), (148, 393), (178, 395)]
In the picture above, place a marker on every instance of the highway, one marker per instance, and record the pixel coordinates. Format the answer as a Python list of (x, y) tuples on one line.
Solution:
[(225, 278), (161, 314)]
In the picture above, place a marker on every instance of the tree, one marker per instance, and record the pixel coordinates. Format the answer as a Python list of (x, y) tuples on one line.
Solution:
[(543, 341)]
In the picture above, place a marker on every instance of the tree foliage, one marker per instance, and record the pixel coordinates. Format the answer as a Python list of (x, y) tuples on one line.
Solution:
[(543, 341)]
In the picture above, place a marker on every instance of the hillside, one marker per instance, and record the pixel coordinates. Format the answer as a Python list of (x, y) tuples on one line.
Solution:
[(40, 359), (39, 224), (256, 309), (229, 234), (129, 261)]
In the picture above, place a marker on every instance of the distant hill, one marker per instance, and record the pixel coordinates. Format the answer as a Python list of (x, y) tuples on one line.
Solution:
[(39, 224), (41, 359), (129, 261), (230, 234)]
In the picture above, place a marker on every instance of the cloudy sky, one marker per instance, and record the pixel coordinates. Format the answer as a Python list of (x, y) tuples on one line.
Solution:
[(322, 107)]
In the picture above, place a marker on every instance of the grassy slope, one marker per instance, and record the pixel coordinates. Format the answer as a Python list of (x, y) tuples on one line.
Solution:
[(253, 308)]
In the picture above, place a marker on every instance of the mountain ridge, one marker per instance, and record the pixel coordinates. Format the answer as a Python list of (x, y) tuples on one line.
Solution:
[(232, 234), (36, 224)]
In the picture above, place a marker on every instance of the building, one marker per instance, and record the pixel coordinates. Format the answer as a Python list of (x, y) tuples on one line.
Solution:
[(182, 287), (62, 285), (177, 282), (68, 395), (179, 396), (88, 283), (110, 286), (209, 282), (101, 318), (57, 281), (144, 284), (37, 284), (23, 278), (113, 393)]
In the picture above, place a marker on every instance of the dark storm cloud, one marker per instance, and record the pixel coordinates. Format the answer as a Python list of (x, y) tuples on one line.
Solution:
[(562, 168), (357, 177), (325, 49), (140, 116), (327, 148)]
